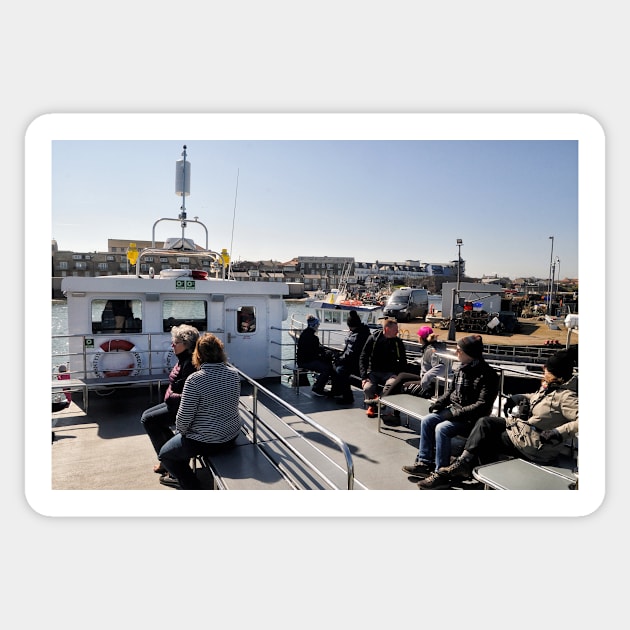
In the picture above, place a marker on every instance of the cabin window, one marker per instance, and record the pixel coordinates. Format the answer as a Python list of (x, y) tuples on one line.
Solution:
[(246, 320), (331, 317), (192, 312), (116, 316)]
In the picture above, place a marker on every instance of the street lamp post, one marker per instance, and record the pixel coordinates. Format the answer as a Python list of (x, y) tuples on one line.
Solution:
[(558, 277), (550, 291), (455, 292)]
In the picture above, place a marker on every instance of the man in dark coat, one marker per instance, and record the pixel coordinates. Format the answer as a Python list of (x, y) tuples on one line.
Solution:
[(347, 362), (383, 357), (311, 356), (470, 396)]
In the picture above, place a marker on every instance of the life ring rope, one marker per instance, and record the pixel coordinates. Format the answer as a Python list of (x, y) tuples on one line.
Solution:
[(131, 367)]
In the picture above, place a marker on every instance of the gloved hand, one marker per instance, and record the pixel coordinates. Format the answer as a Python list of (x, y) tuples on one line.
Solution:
[(551, 435), (435, 407)]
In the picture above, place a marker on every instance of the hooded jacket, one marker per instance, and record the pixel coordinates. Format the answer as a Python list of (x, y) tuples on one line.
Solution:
[(551, 407)]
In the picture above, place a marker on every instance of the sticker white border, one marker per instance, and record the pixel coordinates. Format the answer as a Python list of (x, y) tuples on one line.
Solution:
[(38, 185)]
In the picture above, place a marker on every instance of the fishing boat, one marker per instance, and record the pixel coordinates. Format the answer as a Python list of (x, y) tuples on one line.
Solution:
[(332, 309)]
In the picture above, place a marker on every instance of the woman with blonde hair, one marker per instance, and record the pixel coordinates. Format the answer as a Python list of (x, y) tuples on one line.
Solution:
[(208, 419)]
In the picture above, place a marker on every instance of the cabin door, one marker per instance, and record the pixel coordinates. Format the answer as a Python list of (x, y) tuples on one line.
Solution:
[(247, 335)]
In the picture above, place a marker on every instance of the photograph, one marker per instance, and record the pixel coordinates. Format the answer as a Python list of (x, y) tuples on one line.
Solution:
[(354, 302)]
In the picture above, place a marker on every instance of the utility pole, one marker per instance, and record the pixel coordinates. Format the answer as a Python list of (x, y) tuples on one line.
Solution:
[(550, 289), (455, 293)]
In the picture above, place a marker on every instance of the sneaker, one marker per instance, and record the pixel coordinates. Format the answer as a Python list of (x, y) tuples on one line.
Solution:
[(460, 469), (319, 392), (371, 401), (169, 480), (371, 412), (435, 481), (418, 470)]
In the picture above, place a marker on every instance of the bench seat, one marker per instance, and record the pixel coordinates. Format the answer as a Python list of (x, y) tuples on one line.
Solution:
[(411, 406), (297, 373), (520, 474), (84, 385)]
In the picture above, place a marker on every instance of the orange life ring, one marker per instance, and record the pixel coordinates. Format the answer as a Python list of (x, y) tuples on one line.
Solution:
[(118, 357)]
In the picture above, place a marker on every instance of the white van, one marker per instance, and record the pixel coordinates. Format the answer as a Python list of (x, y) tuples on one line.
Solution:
[(406, 304)]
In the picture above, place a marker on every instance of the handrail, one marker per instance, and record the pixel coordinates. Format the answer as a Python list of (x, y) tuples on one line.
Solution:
[(257, 387)]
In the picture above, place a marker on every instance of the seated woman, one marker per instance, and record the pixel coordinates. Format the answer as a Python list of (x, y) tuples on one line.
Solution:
[(208, 419), (157, 420)]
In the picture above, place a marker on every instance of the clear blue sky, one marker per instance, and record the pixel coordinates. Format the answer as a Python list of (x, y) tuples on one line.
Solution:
[(373, 200)]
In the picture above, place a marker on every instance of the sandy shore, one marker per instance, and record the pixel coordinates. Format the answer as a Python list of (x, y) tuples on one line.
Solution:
[(532, 332)]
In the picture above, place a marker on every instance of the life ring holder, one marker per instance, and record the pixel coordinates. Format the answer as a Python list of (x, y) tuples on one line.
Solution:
[(117, 345)]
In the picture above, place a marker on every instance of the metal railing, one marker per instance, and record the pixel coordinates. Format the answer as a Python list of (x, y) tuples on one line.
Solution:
[(257, 390)]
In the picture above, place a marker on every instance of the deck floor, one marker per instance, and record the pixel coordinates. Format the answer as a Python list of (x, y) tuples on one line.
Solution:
[(107, 448)]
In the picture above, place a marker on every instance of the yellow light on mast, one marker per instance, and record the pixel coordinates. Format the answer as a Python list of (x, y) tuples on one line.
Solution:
[(132, 254)]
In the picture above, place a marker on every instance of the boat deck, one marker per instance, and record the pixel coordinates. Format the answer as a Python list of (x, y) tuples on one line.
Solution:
[(107, 448)]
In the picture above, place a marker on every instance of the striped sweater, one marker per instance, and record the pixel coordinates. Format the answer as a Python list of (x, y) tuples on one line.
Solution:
[(208, 411)]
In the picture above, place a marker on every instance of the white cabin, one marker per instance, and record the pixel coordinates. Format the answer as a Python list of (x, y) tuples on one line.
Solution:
[(101, 349)]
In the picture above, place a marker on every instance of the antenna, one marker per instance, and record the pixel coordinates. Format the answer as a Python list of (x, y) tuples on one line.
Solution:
[(182, 185), (233, 218)]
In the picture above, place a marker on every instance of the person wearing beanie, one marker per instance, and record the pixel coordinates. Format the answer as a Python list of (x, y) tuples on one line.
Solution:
[(311, 356), (353, 320), (347, 363), (471, 345), (470, 396), (535, 430)]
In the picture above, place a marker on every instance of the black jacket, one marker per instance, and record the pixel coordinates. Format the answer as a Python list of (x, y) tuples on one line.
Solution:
[(176, 379), (472, 392), (381, 354), (352, 351), (308, 347)]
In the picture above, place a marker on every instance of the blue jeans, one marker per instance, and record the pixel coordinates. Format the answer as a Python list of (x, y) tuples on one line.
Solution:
[(436, 433), (157, 422), (176, 454)]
